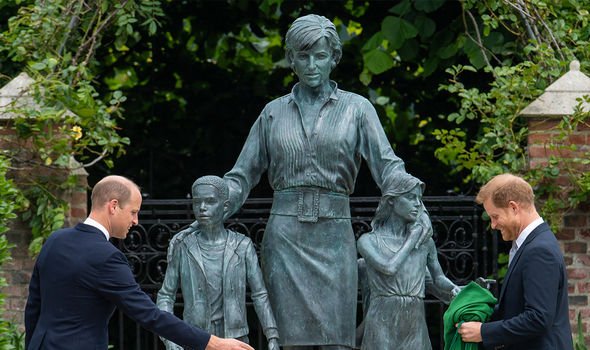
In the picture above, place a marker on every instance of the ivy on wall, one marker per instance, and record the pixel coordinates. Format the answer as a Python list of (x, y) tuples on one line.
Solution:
[(11, 200), (63, 115)]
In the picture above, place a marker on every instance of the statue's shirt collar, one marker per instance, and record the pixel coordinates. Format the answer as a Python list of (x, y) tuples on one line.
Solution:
[(296, 88)]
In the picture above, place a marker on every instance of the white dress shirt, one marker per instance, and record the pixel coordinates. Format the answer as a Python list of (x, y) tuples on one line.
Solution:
[(95, 223), (517, 243)]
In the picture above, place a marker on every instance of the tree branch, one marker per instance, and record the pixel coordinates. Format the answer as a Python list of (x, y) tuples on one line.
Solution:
[(477, 41)]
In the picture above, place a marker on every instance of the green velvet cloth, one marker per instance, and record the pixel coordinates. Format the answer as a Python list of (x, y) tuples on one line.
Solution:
[(473, 303)]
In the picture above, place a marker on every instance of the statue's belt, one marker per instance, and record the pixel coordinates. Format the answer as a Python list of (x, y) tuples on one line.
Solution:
[(309, 203)]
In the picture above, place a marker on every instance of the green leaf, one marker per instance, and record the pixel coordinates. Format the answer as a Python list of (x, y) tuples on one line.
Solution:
[(447, 51), (378, 61), (396, 30), (425, 26), (474, 53), (365, 77), (428, 5), (402, 8), (373, 43), (494, 42), (439, 41), (430, 65), (409, 51), (382, 100), (38, 65), (152, 28)]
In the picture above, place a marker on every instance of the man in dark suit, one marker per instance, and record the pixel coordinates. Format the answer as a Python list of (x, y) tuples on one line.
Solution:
[(532, 310), (80, 277)]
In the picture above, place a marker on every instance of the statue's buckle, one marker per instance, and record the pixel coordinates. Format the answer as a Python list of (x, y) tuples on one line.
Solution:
[(308, 206)]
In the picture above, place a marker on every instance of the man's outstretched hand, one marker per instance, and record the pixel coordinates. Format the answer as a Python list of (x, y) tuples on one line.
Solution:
[(216, 343)]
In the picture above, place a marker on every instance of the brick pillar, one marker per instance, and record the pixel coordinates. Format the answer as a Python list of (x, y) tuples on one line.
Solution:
[(574, 233), (18, 271)]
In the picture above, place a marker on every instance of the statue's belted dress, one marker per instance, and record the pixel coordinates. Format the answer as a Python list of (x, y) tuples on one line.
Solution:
[(308, 250)]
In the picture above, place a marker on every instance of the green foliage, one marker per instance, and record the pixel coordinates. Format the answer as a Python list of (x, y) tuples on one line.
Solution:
[(11, 200), (547, 35), (64, 116), (215, 64), (580, 340), (45, 214), (12, 338)]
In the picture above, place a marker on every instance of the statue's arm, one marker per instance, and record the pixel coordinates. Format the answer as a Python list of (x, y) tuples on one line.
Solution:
[(374, 146), (249, 167), (259, 294), (387, 265), (445, 289), (167, 293)]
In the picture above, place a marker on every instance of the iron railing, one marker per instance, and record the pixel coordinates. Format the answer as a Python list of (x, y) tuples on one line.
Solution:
[(465, 251)]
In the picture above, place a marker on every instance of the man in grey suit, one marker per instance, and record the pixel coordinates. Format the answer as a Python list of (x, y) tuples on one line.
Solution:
[(212, 266), (532, 310)]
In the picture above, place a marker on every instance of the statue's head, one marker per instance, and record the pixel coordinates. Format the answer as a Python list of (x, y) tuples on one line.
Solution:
[(210, 199), (306, 31), (401, 196)]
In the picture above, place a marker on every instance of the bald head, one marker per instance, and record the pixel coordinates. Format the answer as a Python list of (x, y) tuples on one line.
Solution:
[(502, 189), (112, 187)]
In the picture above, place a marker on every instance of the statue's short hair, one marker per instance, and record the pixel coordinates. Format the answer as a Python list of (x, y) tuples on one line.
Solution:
[(504, 188), (214, 181), (306, 30), (112, 187)]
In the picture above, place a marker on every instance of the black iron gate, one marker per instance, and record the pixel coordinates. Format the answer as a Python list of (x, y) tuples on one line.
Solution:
[(465, 250)]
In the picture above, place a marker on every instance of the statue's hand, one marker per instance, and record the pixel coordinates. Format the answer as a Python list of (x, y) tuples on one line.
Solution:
[(415, 234), (424, 222), (273, 344), (172, 346), (456, 289)]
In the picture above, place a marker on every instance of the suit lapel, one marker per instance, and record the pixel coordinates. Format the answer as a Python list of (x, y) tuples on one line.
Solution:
[(516, 257)]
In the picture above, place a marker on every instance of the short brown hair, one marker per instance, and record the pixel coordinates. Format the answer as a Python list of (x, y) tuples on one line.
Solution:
[(112, 187), (504, 188)]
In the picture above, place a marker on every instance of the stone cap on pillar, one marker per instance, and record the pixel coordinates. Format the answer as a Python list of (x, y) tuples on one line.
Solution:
[(16, 91), (559, 99)]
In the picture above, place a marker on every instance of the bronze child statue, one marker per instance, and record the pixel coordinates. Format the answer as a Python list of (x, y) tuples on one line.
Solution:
[(397, 265), (212, 266)]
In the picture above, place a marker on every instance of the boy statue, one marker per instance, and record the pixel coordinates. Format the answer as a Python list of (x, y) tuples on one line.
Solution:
[(212, 265)]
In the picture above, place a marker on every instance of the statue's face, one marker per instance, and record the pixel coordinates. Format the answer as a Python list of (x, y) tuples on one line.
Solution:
[(208, 206), (313, 66), (408, 205)]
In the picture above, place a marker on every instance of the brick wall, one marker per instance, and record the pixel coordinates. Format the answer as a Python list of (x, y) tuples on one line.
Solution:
[(574, 234), (18, 271)]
